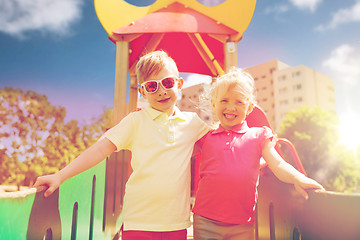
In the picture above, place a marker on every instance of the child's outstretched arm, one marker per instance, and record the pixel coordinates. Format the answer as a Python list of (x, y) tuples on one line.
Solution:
[(89, 158), (287, 173)]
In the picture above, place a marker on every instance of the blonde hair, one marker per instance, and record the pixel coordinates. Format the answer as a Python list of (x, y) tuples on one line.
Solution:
[(237, 79), (153, 63)]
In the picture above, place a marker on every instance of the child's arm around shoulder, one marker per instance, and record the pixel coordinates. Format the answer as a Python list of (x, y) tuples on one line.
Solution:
[(286, 172), (86, 160)]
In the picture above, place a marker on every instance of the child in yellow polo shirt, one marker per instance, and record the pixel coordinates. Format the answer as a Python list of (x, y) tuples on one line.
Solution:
[(161, 139)]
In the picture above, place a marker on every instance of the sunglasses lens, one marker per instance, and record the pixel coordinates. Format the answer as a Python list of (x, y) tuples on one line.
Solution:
[(168, 83), (151, 86)]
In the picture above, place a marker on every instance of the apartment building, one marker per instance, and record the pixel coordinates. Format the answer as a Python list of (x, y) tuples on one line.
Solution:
[(263, 75), (189, 101), (280, 88), (301, 85)]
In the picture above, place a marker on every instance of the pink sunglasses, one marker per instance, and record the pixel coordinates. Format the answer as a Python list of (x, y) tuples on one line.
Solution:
[(152, 86)]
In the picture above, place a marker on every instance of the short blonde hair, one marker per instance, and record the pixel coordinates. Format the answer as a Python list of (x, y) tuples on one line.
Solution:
[(237, 79), (152, 63)]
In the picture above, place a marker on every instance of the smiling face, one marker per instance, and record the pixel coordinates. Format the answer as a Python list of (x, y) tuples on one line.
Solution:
[(231, 108), (158, 66), (163, 99)]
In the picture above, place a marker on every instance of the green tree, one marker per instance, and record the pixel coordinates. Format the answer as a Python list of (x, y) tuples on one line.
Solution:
[(344, 170), (25, 118), (6, 165), (314, 133), (34, 140)]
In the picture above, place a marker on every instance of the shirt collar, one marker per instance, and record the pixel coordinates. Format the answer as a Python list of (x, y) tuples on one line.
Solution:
[(242, 128), (153, 113)]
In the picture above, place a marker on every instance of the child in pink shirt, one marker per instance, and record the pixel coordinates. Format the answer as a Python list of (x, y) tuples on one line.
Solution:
[(230, 162)]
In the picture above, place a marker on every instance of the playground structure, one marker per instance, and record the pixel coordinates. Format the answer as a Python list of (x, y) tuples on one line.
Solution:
[(201, 39)]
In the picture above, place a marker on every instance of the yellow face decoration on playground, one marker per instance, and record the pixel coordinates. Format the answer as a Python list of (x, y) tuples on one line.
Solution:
[(114, 14)]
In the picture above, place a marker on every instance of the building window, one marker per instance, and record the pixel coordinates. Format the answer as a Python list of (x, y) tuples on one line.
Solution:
[(298, 99), (297, 87), (272, 69), (283, 102), (296, 74), (283, 90), (282, 78)]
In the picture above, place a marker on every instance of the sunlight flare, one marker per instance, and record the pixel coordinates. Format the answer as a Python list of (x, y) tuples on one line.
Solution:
[(349, 130)]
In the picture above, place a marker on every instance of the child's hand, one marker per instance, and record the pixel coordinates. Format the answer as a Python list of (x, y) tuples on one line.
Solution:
[(51, 181), (307, 183)]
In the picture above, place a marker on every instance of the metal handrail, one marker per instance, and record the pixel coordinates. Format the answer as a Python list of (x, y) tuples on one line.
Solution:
[(294, 154)]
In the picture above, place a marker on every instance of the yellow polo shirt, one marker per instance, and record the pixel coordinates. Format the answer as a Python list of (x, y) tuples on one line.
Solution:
[(157, 194)]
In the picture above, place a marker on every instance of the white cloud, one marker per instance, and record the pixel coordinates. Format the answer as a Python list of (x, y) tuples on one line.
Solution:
[(343, 16), (17, 17), (344, 62), (306, 4), (300, 4), (277, 9)]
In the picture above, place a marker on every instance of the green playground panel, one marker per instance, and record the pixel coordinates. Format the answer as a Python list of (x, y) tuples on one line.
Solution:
[(75, 211)]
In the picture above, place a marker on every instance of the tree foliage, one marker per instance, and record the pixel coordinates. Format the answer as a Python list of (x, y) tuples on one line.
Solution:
[(314, 133), (35, 140)]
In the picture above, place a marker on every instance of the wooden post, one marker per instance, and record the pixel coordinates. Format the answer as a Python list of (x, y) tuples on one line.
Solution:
[(133, 94), (230, 54), (121, 69), (117, 165)]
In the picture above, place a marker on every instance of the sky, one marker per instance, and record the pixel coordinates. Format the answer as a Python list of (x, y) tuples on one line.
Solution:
[(59, 48)]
